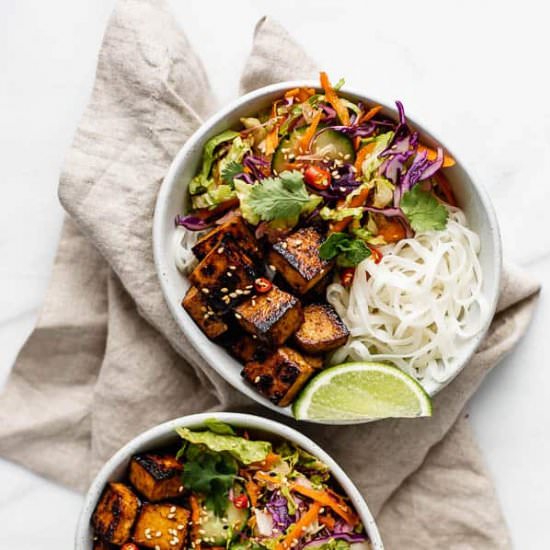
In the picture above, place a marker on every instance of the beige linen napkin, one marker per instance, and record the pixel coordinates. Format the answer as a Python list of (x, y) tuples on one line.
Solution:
[(106, 359)]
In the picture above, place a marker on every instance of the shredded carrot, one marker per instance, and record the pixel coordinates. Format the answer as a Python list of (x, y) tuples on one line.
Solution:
[(392, 231), (363, 152), (356, 142), (358, 200), (327, 521), (262, 476), (448, 161), (305, 140), (297, 531), (195, 518), (253, 491), (337, 505), (301, 94), (372, 112), (334, 100)]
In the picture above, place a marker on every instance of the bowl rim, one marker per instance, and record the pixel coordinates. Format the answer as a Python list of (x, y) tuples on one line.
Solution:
[(139, 443), (171, 179)]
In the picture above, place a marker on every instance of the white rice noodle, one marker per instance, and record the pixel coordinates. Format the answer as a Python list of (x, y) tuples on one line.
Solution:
[(183, 242), (418, 306)]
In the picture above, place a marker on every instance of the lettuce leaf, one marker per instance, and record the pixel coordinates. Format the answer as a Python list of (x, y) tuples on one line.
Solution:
[(244, 450)]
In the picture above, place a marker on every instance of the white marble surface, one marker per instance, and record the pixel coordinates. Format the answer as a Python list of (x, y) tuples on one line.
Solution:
[(473, 72)]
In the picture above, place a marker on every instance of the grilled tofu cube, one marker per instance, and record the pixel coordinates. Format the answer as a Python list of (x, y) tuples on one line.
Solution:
[(316, 361), (199, 309), (322, 330), (297, 259), (115, 513), (156, 477), (225, 275), (271, 317), (280, 377), (247, 349), (237, 228), (162, 526)]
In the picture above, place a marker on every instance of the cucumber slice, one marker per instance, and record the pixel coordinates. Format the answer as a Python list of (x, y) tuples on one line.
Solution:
[(217, 531), (331, 144), (334, 145), (289, 143)]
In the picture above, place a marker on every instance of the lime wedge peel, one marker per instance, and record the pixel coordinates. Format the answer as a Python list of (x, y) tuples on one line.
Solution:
[(361, 392)]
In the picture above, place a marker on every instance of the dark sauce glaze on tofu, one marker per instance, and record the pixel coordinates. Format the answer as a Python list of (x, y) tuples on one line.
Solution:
[(281, 335)]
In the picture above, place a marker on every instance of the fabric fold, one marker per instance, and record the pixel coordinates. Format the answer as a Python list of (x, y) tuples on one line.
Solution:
[(107, 360)]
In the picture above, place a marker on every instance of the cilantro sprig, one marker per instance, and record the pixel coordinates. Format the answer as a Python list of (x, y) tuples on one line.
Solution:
[(423, 210), (232, 170), (347, 250), (282, 198), (211, 474)]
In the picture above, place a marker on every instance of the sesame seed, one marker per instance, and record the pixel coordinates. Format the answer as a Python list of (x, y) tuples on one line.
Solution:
[(298, 242), (347, 156), (269, 299), (342, 189), (257, 379), (204, 308), (229, 274), (158, 534), (148, 536), (238, 316), (202, 532), (157, 547), (272, 267), (225, 289), (180, 489), (249, 286), (232, 294), (232, 267), (181, 527), (246, 292), (254, 337), (239, 291), (284, 245), (171, 516), (220, 250), (253, 302), (205, 291)]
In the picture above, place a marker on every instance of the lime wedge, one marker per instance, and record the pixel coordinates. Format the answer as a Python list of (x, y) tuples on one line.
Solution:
[(361, 391)]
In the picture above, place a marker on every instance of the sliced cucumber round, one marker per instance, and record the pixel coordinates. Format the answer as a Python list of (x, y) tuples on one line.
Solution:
[(217, 531), (331, 144)]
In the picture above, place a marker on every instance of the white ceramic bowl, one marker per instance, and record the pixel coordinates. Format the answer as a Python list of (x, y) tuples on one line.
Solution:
[(164, 434), (173, 199)]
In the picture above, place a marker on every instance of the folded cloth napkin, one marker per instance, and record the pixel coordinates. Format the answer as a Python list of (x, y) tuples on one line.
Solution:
[(107, 361)]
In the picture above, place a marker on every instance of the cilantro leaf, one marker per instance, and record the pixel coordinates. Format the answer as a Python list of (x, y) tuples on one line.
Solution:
[(347, 250), (282, 198), (232, 170), (211, 474), (423, 210)]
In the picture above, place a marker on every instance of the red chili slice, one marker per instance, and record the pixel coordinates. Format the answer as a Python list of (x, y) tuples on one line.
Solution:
[(346, 276), (317, 177), (376, 255), (262, 285), (241, 501)]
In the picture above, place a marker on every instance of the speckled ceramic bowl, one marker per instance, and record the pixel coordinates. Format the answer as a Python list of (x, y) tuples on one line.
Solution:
[(173, 199), (164, 434)]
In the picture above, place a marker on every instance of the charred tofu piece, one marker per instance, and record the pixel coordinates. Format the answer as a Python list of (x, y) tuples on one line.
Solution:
[(280, 377), (115, 513), (322, 330), (225, 276), (296, 257), (247, 349), (316, 361), (271, 317), (156, 477), (236, 228), (162, 526), (199, 309)]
